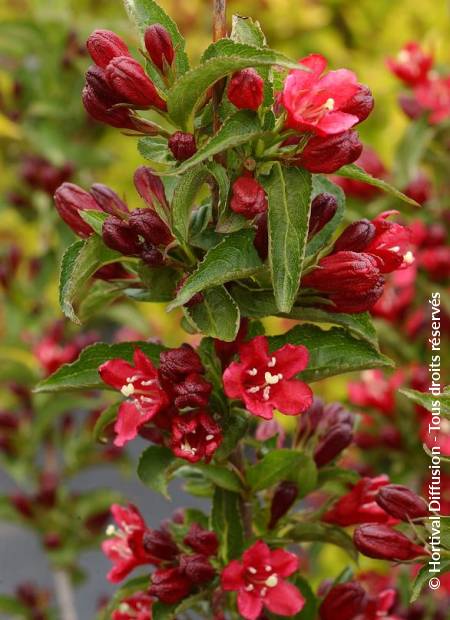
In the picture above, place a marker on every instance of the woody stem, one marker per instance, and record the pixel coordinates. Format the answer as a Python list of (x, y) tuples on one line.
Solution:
[(219, 31), (237, 459)]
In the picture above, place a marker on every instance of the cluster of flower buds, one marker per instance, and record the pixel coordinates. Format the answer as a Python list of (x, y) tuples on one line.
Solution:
[(350, 601), (351, 276), (41, 174), (323, 109), (117, 83)]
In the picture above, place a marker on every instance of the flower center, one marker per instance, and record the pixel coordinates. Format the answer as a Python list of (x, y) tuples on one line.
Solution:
[(256, 581), (270, 379)]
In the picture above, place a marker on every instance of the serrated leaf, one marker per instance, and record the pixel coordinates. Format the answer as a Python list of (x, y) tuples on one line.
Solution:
[(220, 476), (323, 532), (289, 195), (80, 261), (428, 400), (101, 294), (155, 149), (223, 183), (323, 185), (106, 418), (245, 30), (240, 128), (147, 12), (352, 171), (277, 465), (152, 468), (183, 200), (83, 373), (95, 219), (186, 93), (217, 315), (226, 521), (160, 284), (331, 352), (233, 258)]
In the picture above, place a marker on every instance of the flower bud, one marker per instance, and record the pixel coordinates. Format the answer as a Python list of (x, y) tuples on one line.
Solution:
[(101, 111), (410, 106), (159, 46), (323, 208), (344, 602), (182, 145), (361, 104), (246, 89), (152, 256), (176, 364), (52, 540), (69, 201), (202, 541), (170, 585), (194, 391), (328, 154), (108, 200), (23, 505), (261, 240), (419, 188), (104, 45), (113, 271), (248, 197), (150, 187), (401, 503), (197, 568), (337, 438), (147, 224), (195, 435), (283, 499), (129, 80), (355, 237), (381, 542), (96, 79), (160, 544), (118, 235)]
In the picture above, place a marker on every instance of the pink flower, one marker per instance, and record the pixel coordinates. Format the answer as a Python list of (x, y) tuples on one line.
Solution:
[(434, 96), (412, 64), (317, 103), (359, 504), (136, 607), (125, 547), (391, 244), (140, 384), (375, 390), (264, 381), (259, 582)]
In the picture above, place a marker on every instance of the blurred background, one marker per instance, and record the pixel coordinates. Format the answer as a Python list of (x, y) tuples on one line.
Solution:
[(46, 138)]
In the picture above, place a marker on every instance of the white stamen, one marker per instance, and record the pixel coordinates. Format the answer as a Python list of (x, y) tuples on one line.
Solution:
[(395, 249), (408, 258), (127, 390), (272, 379), (271, 581), (403, 56), (133, 378), (147, 399), (252, 570), (272, 362), (188, 448), (329, 104), (124, 608), (249, 588), (149, 382), (266, 392), (209, 437), (268, 569), (254, 389), (110, 530), (263, 591), (252, 372)]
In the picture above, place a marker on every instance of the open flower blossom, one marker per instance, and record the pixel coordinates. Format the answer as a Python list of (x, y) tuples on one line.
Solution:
[(264, 381), (434, 97), (125, 546), (138, 606), (317, 102), (412, 64), (140, 385), (391, 244), (259, 580), (195, 436), (376, 390)]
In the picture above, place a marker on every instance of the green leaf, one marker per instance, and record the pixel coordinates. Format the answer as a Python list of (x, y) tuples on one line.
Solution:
[(83, 373), (106, 418), (233, 258), (423, 576), (155, 149), (100, 296), (10, 605), (152, 468), (161, 611), (226, 521), (245, 30), (183, 200), (323, 185), (238, 129), (147, 12), (410, 150), (160, 284), (274, 467), (429, 401), (95, 219), (289, 195), (217, 315), (323, 532), (223, 183), (331, 352), (234, 426), (221, 477), (352, 171), (309, 611), (80, 261), (187, 92)]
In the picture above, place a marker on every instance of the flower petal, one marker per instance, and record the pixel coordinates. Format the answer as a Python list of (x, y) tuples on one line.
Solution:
[(255, 352), (291, 359), (335, 122), (143, 363), (291, 397), (115, 372), (129, 420), (284, 599), (261, 408), (232, 382), (283, 562), (341, 85), (315, 62), (257, 555), (249, 605), (232, 576)]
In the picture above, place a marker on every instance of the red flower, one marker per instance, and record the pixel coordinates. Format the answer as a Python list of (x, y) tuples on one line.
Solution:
[(379, 541), (101, 110), (375, 390), (328, 154), (128, 79), (195, 436), (344, 602), (259, 581), (316, 103), (434, 96), (436, 262), (159, 46), (246, 89), (140, 384), (412, 64), (248, 197), (359, 504), (125, 549), (390, 244), (397, 295), (264, 381), (401, 503), (170, 585), (104, 45), (135, 607)]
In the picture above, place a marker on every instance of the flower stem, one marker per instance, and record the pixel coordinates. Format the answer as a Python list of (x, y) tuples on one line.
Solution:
[(245, 506), (64, 595)]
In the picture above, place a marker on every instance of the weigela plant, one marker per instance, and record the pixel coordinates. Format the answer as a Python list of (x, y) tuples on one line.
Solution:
[(235, 220)]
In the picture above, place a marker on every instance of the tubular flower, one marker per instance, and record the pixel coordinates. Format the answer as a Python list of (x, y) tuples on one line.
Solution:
[(328, 154), (316, 102), (104, 45), (246, 89), (344, 602), (140, 385), (170, 585), (248, 197), (128, 79), (412, 64), (379, 541), (259, 579), (390, 244), (434, 96), (401, 503), (70, 200), (159, 46), (264, 381), (195, 436), (125, 546), (135, 607), (101, 110)]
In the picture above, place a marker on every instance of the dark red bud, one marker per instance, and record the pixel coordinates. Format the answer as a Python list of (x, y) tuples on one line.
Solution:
[(336, 439), (160, 544), (176, 364), (326, 155), (246, 89), (108, 200), (147, 224), (361, 104), (104, 45), (8, 421), (202, 541), (23, 505), (379, 541), (248, 197), (114, 271), (323, 208), (182, 145), (261, 240), (344, 602), (401, 503), (170, 585), (132, 85), (355, 237), (96, 79), (118, 235), (410, 106), (152, 256), (194, 391), (28, 594), (52, 540), (101, 111), (69, 201), (283, 499), (48, 487), (159, 46), (197, 568), (150, 187)]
